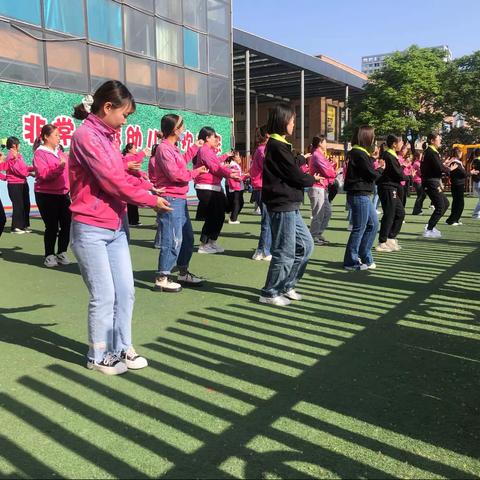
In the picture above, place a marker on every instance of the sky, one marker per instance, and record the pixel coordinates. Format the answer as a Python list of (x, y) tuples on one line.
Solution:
[(346, 30)]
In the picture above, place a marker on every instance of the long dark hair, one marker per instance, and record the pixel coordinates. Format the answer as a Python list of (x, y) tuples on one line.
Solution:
[(113, 92), (205, 133), (317, 140), (46, 131), (127, 148), (279, 118)]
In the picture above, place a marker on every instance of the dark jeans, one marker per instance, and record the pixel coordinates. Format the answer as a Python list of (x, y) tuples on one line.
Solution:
[(176, 234), (439, 201), (212, 206), (332, 191), (364, 221), (458, 203), (20, 197), (3, 218), (55, 212), (393, 214), (235, 204), (421, 195), (133, 215), (292, 246)]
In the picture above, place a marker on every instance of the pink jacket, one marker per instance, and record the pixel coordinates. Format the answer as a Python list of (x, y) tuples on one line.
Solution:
[(171, 170), (207, 156), (256, 169), (320, 165), (417, 177), (50, 176), (141, 177), (3, 167), (151, 171), (100, 187), (16, 168), (236, 185)]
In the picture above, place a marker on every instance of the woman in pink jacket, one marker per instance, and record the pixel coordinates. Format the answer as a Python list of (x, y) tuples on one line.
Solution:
[(209, 191), (51, 194), (3, 217), (318, 194), (236, 189), (17, 173), (256, 175), (175, 230), (100, 190)]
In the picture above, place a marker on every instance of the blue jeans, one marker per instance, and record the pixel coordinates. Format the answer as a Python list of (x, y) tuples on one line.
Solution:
[(476, 191), (176, 237), (365, 227), (292, 246), (265, 240), (104, 260)]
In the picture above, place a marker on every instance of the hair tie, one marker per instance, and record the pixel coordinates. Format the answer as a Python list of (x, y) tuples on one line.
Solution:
[(87, 103)]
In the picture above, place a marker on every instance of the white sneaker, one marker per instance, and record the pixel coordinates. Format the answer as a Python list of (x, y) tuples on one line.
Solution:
[(372, 266), (267, 258), (393, 244), (431, 234), (236, 222), (28, 230), (258, 211), (213, 244), (190, 280), (356, 268), (438, 232), (279, 301), (132, 360), (383, 247), (350, 227), (62, 259), (258, 256), (164, 284), (110, 365), (456, 224), (206, 249), (293, 295), (51, 261), (18, 231), (379, 212)]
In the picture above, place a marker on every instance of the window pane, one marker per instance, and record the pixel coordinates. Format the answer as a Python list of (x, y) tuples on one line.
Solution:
[(21, 57), (26, 10), (196, 91), (171, 9), (105, 22), (194, 50), (139, 35), (145, 4), (219, 22), (105, 65), (65, 16), (171, 86), (169, 42), (195, 14), (219, 57), (69, 75), (220, 96), (141, 79)]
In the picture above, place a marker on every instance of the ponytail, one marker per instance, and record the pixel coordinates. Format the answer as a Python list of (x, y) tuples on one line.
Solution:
[(317, 140), (37, 143), (46, 131)]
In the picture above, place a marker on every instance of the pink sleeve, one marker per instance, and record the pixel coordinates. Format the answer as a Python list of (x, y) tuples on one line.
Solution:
[(43, 171), (191, 152), (326, 169), (19, 168), (173, 171), (139, 157), (107, 168), (257, 164), (213, 163)]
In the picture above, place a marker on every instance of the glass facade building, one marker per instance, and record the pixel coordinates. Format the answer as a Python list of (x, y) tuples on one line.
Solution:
[(172, 53)]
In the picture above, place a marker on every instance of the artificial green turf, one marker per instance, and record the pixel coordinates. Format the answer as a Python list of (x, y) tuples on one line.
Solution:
[(375, 374)]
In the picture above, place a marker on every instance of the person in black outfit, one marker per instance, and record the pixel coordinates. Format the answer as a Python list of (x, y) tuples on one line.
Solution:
[(432, 169), (388, 191), (475, 172)]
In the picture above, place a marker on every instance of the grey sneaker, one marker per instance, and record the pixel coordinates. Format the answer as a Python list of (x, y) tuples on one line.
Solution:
[(51, 261), (110, 365), (62, 259)]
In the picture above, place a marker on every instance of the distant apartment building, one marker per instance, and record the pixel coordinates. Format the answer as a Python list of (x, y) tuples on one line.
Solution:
[(373, 63)]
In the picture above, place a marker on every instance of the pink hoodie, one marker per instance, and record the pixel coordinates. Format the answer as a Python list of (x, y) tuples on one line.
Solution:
[(151, 171), (207, 156), (100, 188), (320, 165), (3, 167), (236, 185), (16, 168), (171, 170), (417, 177), (256, 169), (50, 176), (140, 176)]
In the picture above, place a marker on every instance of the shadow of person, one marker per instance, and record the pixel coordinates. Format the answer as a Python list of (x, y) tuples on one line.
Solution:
[(37, 336)]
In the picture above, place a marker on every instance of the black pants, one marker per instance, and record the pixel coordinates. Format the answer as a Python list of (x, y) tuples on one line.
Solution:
[(19, 194), (212, 205), (55, 212), (235, 204), (133, 215), (3, 218), (332, 191), (439, 201), (393, 213), (458, 203), (421, 195)]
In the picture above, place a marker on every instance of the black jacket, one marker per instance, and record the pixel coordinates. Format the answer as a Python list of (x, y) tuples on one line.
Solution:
[(361, 174), (432, 167), (283, 180), (458, 176), (476, 166), (393, 173)]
